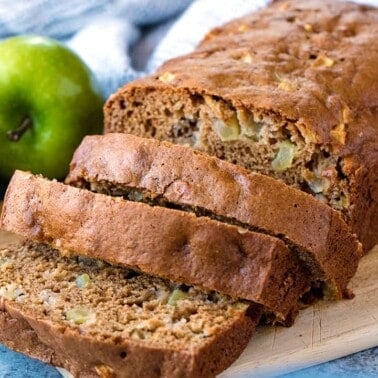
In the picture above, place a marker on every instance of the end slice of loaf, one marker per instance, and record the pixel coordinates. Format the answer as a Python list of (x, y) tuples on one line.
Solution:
[(99, 320), (290, 91), (164, 242), (165, 173)]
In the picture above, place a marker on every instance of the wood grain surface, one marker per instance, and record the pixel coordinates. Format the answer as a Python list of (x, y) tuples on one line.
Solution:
[(323, 332)]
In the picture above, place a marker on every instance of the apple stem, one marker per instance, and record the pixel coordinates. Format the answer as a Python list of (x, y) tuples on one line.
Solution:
[(15, 135)]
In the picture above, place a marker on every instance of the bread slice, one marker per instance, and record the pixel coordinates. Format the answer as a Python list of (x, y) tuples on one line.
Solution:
[(164, 242), (174, 175), (290, 91), (98, 320)]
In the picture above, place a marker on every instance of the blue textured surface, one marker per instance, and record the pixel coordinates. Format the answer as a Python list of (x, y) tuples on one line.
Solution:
[(360, 365), (16, 365)]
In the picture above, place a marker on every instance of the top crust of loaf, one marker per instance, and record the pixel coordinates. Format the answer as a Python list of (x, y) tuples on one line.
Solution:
[(311, 65), (181, 175)]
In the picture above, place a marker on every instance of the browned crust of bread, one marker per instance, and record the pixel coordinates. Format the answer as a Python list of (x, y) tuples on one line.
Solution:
[(287, 41), (183, 176), (87, 357), (164, 242)]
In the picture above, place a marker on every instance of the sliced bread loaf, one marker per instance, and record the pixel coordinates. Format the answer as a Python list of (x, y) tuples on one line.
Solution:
[(164, 242), (172, 175), (290, 91), (98, 320)]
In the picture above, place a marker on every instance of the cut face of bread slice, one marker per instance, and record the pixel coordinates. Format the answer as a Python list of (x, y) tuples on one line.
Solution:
[(283, 92), (99, 320), (168, 243), (173, 175)]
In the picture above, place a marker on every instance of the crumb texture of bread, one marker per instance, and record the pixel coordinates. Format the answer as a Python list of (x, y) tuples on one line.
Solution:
[(290, 91), (98, 320), (165, 242), (157, 172)]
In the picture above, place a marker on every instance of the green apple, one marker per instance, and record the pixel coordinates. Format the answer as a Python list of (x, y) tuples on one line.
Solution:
[(48, 101)]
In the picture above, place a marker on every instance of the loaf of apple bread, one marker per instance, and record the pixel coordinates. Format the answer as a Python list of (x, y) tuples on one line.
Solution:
[(290, 91)]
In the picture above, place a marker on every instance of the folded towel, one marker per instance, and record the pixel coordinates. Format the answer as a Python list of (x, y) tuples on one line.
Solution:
[(114, 47), (61, 19)]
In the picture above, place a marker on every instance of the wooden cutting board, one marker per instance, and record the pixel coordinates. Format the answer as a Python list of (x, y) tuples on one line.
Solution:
[(323, 332)]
